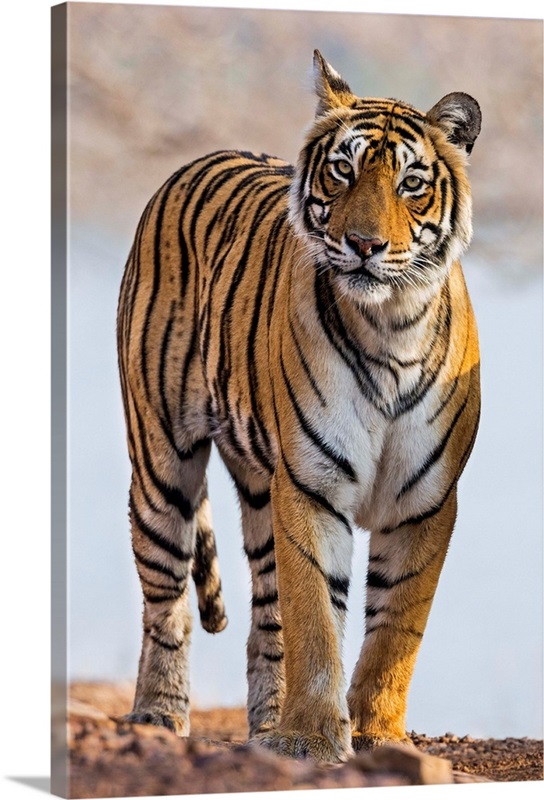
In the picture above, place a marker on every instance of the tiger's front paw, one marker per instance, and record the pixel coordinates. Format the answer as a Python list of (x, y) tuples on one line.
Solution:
[(174, 722), (295, 744), (362, 741)]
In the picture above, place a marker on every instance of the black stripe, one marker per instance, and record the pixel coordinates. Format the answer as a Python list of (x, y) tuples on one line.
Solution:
[(163, 366), (406, 135), (255, 501), (137, 474), (256, 424), (334, 583), (184, 259), (158, 538), (162, 588), (266, 600), (339, 604), (204, 556), (409, 322), (219, 180), (164, 598), (442, 249), (260, 447), (273, 293), (127, 298), (454, 383), (207, 317), (241, 191), (338, 336), (446, 400), (155, 566), (189, 356), (317, 498), (207, 182), (438, 506), (171, 494), (260, 552), (415, 126), (268, 569), (157, 247), (263, 208), (178, 697), (273, 656), (270, 627), (339, 584), (435, 455), (165, 645), (433, 360), (302, 550), (314, 435), (377, 581), (370, 318), (303, 359)]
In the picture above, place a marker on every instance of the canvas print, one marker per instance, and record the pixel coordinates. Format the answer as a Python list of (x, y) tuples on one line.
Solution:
[(297, 400)]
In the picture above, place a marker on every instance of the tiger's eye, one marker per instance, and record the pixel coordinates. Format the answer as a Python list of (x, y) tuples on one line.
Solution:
[(343, 168), (412, 182)]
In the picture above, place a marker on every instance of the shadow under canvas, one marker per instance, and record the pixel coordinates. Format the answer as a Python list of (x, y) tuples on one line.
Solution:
[(41, 784)]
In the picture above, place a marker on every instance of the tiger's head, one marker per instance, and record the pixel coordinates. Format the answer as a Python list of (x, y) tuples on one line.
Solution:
[(380, 192)]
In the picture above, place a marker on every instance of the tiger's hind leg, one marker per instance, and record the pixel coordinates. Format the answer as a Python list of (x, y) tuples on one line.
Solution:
[(167, 499), (265, 668)]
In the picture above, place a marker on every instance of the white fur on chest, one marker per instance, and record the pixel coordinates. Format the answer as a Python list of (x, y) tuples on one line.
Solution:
[(377, 416), (385, 455), (408, 444)]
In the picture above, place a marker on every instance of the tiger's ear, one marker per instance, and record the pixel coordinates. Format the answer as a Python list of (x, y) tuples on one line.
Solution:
[(459, 116), (330, 87)]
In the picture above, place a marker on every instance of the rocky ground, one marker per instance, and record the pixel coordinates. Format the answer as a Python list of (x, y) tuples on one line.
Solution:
[(109, 758)]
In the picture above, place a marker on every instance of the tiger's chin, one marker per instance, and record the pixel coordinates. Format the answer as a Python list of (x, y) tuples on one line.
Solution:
[(364, 288)]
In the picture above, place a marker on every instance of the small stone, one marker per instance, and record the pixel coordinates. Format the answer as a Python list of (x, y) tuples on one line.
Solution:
[(77, 709), (419, 768)]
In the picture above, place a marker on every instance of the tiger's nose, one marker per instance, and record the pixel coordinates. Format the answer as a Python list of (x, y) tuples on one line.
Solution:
[(365, 247)]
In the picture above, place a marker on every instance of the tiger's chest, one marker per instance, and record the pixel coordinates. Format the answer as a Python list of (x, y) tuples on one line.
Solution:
[(390, 441)]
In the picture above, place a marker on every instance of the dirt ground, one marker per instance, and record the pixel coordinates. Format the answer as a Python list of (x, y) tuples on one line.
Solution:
[(109, 758)]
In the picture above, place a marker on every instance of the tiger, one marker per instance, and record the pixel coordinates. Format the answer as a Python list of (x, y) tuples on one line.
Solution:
[(313, 322)]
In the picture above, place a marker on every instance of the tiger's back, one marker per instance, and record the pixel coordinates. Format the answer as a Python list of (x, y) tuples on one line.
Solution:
[(184, 279), (313, 322)]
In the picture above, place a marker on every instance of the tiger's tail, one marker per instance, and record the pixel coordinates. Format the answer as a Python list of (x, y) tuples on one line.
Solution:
[(205, 573)]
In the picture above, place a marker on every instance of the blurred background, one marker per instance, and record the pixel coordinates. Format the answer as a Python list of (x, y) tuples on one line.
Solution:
[(152, 87)]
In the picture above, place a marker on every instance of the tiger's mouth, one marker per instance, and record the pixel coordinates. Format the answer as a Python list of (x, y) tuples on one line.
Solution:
[(364, 273), (362, 284)]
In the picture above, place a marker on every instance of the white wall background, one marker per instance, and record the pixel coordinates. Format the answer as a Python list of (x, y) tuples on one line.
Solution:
[(24, 325)]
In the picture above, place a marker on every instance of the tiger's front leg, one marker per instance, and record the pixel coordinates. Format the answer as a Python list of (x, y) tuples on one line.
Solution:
[(313, 548), (404, 567)]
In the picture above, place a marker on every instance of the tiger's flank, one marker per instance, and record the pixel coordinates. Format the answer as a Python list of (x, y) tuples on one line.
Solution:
[(313, 321)]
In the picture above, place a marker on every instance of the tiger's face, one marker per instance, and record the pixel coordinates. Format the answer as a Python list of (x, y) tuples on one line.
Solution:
[(381, 191)]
